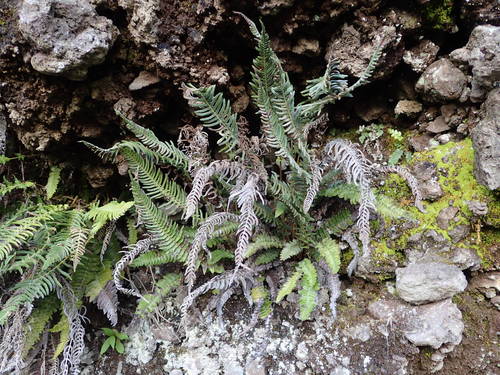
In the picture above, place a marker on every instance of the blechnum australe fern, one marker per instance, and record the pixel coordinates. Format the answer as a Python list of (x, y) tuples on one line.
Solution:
[(267, 202)]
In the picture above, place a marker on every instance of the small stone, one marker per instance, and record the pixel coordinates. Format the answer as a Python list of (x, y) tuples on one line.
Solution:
[(308, 47), (443, 138), (144, 79), (436, 324), (465, 258), (441, 82), (459, 232), (445, 216), (420, 56), (176, 372), (478, 208), (420, 283), (255, 368), (420, 142), (439, 125), (97, 176), (408, 108), (302, 352), (425, 173)]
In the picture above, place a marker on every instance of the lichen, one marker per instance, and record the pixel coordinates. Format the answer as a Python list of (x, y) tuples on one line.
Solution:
[(454, 164)]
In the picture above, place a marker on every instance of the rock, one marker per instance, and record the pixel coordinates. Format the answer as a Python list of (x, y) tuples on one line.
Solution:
[(445, 216), (452, 114), (482, 53), (255, 367), (486, 143), (97, 176), (425, 173), (140, 348), (361, 332), (420, 142), (176, 372), (3, 132), (420, 283), (435, 325), (67, 37), (302, 352), (353, 54), (408, 108), (309, 47), (384, 309), (144, 19), (439, 125), (441, 82), (459, 232), (443, 138), (421, 56), (144, 79), (464, 258), (478, 208)]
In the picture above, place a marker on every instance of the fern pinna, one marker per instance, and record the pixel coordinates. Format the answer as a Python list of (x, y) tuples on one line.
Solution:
[(259, 199)]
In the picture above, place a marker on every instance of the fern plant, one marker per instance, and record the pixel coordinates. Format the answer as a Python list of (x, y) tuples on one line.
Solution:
[(53, 259), (258, 202)]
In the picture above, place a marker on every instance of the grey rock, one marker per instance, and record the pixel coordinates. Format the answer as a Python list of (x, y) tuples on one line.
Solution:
[(421, 56), (67, 36), (408, 108), (144, 79), (478, 208), (443, 138), (486, 143), (438, 125), (420, 142), (464, 258), (255, 367), (459, 232), (425, 173), (420, 283), (308, 47), (441, 82), (445, 216), (302, 351), (176, 372), (361, 332), (435, 325), (384, 309), (140, 348), (482, 54), (144, 19)]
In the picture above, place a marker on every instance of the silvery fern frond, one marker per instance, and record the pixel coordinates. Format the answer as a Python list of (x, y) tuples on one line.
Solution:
[(226, 169), (312, 191), (246, 197), (12, 341), (203, 234), (107, 302), (74, 348), (130, 254)]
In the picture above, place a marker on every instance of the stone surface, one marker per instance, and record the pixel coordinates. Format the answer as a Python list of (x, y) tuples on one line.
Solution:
[(445, 216), (486, 143), (408, 108), (420, 283), (435, 325), (438, 125), (425, 173), (459, 232), (482, 54), (421, 56), (420, 142), (144, 79), (144, 21), (67, 37), (308, 47), (441, 82)]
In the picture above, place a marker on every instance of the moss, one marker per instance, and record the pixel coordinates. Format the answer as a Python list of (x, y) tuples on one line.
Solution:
[(438, 14), (454, 163)]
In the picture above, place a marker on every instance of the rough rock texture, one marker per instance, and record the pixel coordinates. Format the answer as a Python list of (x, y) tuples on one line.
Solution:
[(68, 36), (436, 324), (486, 142), (421, 56), (482, 54), (441, 82), (425, 172), (420, 283), (408, 108)]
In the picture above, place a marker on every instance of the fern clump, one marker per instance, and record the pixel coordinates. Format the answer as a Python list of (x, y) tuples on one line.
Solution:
[(257, 202)]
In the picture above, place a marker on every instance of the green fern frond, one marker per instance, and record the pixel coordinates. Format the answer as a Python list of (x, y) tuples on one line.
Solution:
[(8, 186), (290, 249), (63, 328), (215, 112), (170, 235), (167, 149), (289, 285), (109, 212), (339, 222), (267, 257), (347, 192), (168, 282), (263, 242), (79, 235), (53, 181), (38, 321), (27, 291), (307, 301), (155, 182), (388, 208), (132, 231), (101, 278), (330, 251)]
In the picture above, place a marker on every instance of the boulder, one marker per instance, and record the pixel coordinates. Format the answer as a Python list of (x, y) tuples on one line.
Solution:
[(420, 283), (486, 143), (482, 54), (421, 56), (441, 82), (67, 36), (435, 325)]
